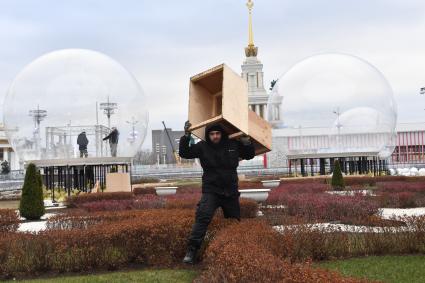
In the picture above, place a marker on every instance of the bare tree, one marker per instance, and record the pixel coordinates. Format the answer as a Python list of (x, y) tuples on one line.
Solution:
[(145, 157)]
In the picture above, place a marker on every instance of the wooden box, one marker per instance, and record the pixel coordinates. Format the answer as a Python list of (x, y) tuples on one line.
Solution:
[(218, 95), (260, 132), (118, 182)]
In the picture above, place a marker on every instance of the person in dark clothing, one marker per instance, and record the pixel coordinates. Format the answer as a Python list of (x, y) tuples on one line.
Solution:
[(219, 157), (82, 142), (113, 141)]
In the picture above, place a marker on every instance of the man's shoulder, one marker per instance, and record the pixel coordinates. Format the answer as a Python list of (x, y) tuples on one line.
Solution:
[(201, 143), (232, 142)]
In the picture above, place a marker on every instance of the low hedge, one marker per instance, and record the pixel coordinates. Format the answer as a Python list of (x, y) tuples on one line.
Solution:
[(145, 180), (150, 237), (144, 191), (304, 241), (74, 201), (126, 201), (9, 220), (251, 251)]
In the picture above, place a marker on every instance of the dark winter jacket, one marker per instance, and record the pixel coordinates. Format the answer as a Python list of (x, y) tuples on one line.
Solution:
[(219, 162), (82, 141), (113, 136)]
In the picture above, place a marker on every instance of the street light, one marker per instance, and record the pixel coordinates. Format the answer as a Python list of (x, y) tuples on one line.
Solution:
[(337, 112), (108, 109), (133, 135)]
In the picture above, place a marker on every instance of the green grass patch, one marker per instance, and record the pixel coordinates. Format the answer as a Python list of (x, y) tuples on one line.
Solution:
[(142, 276), (410, 268)]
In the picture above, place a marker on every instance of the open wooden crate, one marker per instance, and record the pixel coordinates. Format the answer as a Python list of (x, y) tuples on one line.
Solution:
[(216, 96), (220, 96)]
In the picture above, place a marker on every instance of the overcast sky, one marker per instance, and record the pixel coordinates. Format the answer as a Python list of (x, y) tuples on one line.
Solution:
[(164, 42)]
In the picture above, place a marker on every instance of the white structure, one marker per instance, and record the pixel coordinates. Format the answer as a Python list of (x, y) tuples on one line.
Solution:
[(6, 151), (252, 72)]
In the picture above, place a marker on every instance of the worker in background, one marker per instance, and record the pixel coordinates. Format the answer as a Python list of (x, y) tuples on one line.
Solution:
[(82, 142), (219, 157), (113, 141)]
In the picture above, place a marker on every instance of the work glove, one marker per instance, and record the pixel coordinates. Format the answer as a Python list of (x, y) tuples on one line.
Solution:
[(187, 126), (245, 140)]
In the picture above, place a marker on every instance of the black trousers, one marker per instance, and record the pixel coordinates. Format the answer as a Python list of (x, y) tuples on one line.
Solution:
[(205, 212)]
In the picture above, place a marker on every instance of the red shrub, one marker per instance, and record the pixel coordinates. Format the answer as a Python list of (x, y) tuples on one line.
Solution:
[(9, 220), (414, 187), (144, 191), (309, 180), (148, 202), (278, 195), (189, 190), (74, 201), (251, 251), (330, 207), (306, 241), (401, 194), (249, 208), (110, 205), (149, 237)]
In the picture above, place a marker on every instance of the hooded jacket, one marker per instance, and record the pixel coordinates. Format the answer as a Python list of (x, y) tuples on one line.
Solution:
[(218, 161)]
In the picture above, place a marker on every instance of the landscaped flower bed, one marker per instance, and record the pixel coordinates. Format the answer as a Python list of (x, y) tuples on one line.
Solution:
[(110, 231), (9, 220)]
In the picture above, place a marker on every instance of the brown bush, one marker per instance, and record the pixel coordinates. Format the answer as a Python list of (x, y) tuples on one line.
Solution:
[(83, 220), (74, 201), (145, 180), (303, 241), (144, 191), (250, 251), (249, 208), (153, 238), (9, 220)]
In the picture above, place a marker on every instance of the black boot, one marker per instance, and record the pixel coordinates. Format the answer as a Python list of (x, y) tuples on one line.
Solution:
[(190, 257)]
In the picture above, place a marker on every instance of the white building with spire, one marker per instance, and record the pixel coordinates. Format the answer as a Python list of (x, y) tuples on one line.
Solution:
[(252, 72)]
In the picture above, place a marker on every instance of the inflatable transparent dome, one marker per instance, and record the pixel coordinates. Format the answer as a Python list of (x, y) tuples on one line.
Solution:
[(70, 100), (333, 105)]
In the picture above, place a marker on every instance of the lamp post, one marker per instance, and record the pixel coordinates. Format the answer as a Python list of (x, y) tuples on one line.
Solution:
[(133, 134), (38, 115), (108, 109), (337, 112)]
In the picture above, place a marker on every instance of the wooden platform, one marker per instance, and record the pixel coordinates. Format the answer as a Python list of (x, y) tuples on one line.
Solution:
[(84, 173), (81, 161)]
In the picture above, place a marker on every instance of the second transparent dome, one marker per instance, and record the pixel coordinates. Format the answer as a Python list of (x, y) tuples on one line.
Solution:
[(333, 104), (67, 92)]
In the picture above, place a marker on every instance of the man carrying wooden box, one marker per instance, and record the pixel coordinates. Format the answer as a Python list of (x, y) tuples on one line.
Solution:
[(218, 109), (219, 157)]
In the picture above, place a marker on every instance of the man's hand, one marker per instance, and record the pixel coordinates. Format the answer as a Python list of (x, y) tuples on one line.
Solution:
[(187, 126), (245, 140)]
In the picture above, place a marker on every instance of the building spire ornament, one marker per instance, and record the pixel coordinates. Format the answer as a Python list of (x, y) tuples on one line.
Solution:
[(250, 50)]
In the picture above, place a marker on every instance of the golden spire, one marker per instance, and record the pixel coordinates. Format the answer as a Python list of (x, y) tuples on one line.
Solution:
[(251, 50)]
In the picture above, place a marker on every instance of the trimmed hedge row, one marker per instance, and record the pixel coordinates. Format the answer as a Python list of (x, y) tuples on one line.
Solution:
[(251, 251), (304, 241), (150, 237), (126, 201), (9, 220), (74, 201), (354, 180)]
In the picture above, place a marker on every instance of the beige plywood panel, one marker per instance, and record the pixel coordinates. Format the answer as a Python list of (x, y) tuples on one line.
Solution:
[(235, 99), (260, 132), (118, 182)]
